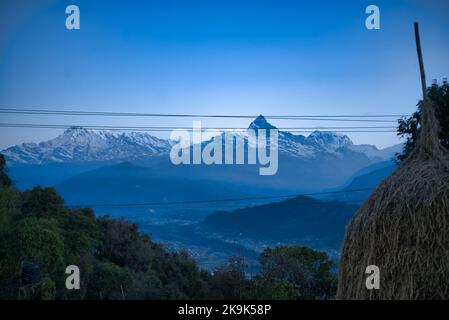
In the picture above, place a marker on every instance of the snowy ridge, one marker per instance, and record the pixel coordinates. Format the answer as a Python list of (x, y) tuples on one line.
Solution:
[(78, 144)]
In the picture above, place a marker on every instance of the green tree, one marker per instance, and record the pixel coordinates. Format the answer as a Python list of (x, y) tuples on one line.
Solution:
[(80, 232), (123, 244), (43, 202), (81, 237), (295, 272), (38, 240), (228, 281), (4, 178), (409, 127), (109, 281), (264, 288), (9, 208), (145, 286), (9, 213)]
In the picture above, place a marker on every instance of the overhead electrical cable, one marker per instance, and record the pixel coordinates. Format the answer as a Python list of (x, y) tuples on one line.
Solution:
[(147, 204)]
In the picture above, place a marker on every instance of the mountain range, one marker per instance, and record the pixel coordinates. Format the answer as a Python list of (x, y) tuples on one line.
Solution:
[(78, 144), (320, 160)]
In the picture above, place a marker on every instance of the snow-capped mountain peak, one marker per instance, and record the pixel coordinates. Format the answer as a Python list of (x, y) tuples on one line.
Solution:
[(261, 123), (81, 144), (330, 141)]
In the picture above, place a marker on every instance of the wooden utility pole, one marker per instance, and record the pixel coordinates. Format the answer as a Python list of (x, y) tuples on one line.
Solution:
[(421, 63)]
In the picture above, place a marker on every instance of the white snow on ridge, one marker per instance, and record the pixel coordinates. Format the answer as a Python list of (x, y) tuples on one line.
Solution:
[(83, 145), (80, 144)]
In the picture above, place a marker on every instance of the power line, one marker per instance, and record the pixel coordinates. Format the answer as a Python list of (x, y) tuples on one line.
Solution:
[(166, 128), (146, 204), (212, 201), (107, 113), (174, 115)]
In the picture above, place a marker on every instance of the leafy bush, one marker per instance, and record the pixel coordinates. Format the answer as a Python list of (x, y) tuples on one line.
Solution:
[(409, 127)]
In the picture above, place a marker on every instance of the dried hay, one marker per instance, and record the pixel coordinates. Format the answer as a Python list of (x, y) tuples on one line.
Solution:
[(403, 227)]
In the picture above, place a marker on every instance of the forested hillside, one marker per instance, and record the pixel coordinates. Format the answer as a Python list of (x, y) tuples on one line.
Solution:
[(296, 218), (119, 262)]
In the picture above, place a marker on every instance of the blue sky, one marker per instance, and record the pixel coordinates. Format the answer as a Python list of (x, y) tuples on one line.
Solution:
[(220, 57)]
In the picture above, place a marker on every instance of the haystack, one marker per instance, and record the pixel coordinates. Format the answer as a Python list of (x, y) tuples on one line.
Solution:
[(403, 227)]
